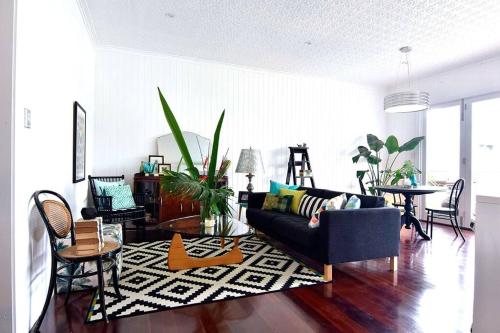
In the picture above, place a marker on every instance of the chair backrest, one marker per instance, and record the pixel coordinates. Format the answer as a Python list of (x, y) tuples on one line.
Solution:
[(361, 186), (102, 179), (56, 215), (455, 194)]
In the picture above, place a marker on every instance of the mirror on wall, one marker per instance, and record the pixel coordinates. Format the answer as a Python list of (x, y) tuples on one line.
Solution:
[(198, 147)]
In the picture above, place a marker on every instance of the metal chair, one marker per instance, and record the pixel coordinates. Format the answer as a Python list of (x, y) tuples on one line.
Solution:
[(58, 220), (450, 212), (104, 206)]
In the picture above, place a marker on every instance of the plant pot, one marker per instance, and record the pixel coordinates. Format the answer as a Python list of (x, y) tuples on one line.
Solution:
[(413, 180), (210, 222)]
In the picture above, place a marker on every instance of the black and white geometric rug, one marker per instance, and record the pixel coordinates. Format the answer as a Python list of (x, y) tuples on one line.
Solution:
[(148, 286)]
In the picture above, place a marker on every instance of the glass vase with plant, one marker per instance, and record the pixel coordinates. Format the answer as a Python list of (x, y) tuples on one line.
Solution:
[(380, 173), (408, 171), (214, 200)]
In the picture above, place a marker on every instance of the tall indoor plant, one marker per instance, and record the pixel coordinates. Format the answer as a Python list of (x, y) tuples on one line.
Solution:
[(192, 185), (379, 175)]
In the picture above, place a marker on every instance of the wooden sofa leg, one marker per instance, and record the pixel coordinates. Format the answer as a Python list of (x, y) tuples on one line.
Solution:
[(394, 263), (327, 272)]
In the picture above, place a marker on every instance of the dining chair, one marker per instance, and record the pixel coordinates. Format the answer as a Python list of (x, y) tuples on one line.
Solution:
[(66, 262), (448, 212)]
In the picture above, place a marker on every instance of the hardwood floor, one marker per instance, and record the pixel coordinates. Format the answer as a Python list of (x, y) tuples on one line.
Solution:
[(432, 291)]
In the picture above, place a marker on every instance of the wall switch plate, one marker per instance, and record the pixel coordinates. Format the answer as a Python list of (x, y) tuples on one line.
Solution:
[(27, 118)]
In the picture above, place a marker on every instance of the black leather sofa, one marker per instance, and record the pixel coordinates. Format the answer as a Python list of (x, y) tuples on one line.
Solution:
[(370, 232)]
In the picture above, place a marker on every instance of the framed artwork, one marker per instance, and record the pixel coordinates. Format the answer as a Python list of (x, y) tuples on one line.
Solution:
[(164, 167), (242, 197), (79, 142), (156, 158)]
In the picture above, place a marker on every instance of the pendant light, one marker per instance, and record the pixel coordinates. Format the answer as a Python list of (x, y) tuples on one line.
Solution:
[(407, 100)]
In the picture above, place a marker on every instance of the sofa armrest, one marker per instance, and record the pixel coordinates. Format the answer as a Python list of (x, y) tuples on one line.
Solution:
[(256, 199), (359, 234)]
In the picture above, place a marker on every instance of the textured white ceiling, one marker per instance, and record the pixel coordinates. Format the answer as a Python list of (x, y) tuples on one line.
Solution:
[(355, 40)]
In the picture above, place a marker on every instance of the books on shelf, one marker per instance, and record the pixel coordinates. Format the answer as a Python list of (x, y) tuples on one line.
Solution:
[(88, 236)]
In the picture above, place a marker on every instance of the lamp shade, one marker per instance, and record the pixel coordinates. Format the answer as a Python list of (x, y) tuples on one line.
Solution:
[(406, 101), (250, 161)]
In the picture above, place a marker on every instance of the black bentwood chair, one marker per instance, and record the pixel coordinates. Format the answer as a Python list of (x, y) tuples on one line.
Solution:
[(450, 212), (56, 215)]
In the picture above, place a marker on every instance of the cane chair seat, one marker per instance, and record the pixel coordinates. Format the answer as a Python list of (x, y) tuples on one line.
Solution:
[(70, 253), (58, 216)]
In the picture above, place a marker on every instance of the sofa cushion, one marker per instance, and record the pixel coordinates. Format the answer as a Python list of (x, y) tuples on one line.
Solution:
[(275, 187), (101, 185), (353, 203), (297, 195), (122, 197), (261, 219), (367, 201), (293, 229), (309, 205), (277, 203)]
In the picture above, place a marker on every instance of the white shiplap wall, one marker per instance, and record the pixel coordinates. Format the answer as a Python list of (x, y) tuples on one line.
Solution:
[(265, 110), (54, 67)]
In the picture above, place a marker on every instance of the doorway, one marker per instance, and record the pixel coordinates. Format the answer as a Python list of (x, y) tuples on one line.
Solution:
[(463, 141)]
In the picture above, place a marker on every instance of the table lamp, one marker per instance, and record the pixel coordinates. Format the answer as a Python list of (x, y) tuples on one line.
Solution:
[(250, 162)]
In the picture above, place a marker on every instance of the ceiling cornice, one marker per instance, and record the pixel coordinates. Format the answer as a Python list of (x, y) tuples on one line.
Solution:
[(87, 21)]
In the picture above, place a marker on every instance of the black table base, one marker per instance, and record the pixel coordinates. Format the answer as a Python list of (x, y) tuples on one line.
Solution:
[(407, 219)]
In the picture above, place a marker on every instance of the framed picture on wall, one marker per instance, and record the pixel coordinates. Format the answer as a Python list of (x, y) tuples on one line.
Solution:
[(242, 197), (156, 158), (164, 167), (79, 142)]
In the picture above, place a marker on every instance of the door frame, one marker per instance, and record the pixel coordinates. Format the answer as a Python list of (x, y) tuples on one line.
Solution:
[(467, 106), (465, 169), (423, 150)]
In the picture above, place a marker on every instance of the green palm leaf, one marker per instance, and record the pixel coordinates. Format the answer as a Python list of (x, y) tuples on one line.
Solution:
[(179, 138), (215, 150)]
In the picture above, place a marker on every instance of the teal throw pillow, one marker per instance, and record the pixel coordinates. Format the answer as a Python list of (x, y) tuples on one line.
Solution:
[(121, 196), (353, 203), (275, 187), (100, 185)]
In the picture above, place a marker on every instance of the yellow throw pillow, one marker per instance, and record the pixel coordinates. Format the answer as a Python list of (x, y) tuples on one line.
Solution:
[(297, 195)]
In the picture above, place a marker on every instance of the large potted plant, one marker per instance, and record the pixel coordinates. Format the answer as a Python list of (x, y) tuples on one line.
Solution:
[(378, 174), (191, 184)]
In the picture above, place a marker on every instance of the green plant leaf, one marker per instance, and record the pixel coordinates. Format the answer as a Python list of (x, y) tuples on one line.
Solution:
[(410, 145), (361, 174), (363, 151), (215, 149), (179, 138), (392, 144), (355, 159), (374, 143), (372, 159)]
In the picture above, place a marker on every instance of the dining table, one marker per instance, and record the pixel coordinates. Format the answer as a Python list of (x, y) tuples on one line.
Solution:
[(409, 192)]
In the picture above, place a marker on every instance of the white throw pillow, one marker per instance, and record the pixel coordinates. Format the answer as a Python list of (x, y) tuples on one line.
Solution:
[(337, 203)]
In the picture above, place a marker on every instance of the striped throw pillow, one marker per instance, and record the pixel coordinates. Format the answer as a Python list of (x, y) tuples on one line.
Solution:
[(309, 205)]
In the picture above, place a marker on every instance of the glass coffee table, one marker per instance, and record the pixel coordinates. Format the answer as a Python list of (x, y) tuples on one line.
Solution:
[(225, 227)]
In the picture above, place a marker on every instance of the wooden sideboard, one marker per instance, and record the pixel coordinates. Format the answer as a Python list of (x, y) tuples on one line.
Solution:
[(163, 206)]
